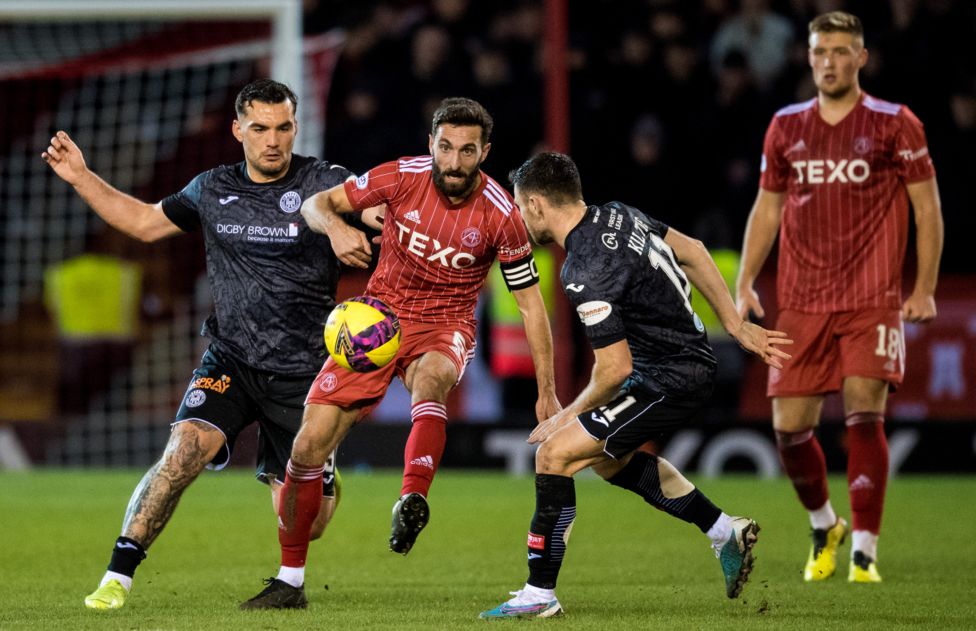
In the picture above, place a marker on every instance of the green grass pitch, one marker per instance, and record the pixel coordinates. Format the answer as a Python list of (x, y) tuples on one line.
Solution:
[(627, 567)]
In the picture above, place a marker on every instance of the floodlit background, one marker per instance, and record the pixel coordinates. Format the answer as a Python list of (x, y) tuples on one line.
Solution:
[(663, 104)]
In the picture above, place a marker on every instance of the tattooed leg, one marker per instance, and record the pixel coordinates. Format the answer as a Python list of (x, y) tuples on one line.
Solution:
[(191, 446)]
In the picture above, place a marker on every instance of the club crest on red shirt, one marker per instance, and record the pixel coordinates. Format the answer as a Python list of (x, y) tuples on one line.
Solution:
[(471, 236)]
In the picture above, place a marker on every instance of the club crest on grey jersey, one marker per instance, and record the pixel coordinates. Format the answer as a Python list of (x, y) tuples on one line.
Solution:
[(625, 284), (272, 278)]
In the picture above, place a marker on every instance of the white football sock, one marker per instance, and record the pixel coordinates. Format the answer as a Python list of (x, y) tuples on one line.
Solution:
[(122, 578), (538, 594), (865, 541), (824, 517), (294, 576), (720, 531)]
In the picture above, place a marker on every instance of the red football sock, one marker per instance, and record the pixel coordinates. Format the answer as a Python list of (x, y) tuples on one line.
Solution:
[(804, 462), (867, 469), (425, 446), (300, 499)]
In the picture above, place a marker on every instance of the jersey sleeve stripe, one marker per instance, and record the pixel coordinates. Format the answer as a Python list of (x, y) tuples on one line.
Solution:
[(500, 192), (418, 161), (882, 107), (415, 169), (493, 197), (796, 108)]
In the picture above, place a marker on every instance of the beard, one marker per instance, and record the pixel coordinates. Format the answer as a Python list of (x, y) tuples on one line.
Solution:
[(270, 170), (454, 189)]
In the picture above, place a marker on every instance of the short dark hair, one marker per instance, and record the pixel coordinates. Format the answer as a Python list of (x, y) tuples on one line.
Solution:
[(264, 91), (550, 174), (462, 111), (837, 22)]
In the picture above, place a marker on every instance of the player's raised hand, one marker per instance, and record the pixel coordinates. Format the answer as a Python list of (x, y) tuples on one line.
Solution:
[(919, 308), (747, 301), (64, 156), (763, 343)]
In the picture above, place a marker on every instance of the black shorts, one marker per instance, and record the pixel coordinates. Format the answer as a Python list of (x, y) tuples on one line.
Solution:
[(230, 395), (636, 416)]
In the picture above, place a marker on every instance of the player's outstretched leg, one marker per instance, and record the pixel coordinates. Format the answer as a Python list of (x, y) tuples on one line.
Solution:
[(410, 514), (662, 486), (190, 447), (421, 457)]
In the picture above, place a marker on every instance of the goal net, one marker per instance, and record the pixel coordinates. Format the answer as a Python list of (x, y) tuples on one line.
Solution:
[(149, 99)]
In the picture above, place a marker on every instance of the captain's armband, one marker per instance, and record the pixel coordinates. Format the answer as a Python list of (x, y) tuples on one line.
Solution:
[(521, 273)]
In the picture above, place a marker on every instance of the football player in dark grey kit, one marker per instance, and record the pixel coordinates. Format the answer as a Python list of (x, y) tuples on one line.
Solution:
[(273, 282), (628, 276)]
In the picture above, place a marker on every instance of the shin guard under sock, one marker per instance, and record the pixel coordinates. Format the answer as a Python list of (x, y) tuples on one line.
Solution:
[(299, 501), (425, 446), (867, 469), (555, 510), (804, 462)]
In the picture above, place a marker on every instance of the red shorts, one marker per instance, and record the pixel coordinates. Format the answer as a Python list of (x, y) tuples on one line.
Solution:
[(335, 385), (830, 346)]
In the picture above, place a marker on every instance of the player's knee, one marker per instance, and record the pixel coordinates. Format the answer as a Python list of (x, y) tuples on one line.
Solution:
[(191, 447), (795, 415), (309, 447), (553, 459), (432, 378), (432, 388)]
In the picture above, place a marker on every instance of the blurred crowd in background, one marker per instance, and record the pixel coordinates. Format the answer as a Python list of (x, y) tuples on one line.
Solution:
[(669, 99), (669, 102)]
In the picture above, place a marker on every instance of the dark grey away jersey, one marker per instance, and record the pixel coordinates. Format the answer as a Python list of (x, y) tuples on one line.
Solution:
[(272, 278), (623, 280)]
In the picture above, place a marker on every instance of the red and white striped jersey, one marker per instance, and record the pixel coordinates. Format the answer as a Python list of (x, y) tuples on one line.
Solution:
[(845, 220), (435, 255)]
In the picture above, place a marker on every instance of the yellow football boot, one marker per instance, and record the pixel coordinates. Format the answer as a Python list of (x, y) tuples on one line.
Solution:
[(111, 595), (822, 562), (863, 569)]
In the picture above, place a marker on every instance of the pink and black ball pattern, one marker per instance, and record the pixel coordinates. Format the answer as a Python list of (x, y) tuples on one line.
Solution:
[(356, 345)]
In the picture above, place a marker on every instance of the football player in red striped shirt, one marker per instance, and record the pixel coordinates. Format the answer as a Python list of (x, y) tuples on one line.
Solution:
[(838, 173), (446, 222)]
